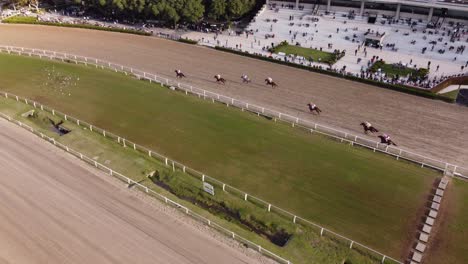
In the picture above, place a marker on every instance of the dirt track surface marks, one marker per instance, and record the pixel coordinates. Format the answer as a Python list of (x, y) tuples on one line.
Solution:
[(56, 209), (432, 128)]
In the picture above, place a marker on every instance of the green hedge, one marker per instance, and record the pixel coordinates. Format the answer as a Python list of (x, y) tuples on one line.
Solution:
[(188, 41), (399, 88), (32, 20)]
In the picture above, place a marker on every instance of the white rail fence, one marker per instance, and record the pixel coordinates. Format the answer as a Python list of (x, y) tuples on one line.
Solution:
[(151, 192), (174, 165), (355, 140)]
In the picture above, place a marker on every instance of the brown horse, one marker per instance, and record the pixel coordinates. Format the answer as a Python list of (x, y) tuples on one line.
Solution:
[(313, 107), (179, 74), (371, 128), (220, 79), (272, 83), (387, 141)]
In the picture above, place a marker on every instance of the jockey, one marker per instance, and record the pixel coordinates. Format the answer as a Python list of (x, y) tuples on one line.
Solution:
[(367, 124), (218, 76), (245, 77), (386, 137), (178, 71), (312, 106), (270, 80)]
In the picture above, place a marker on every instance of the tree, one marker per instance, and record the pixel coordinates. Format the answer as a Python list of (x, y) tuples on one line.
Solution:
[(193, 11), (217, 9), (235, 8), (164, 11)]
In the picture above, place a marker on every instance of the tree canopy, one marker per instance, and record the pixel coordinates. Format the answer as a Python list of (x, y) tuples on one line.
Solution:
[(170, 11)]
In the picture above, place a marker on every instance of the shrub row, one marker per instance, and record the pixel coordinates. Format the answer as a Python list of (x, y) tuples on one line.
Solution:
[(188, 41), (15, 20), (396, 87)]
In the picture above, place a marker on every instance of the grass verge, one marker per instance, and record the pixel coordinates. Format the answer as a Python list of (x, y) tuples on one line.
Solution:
[(452, 94), (450, 245), (370, 198)]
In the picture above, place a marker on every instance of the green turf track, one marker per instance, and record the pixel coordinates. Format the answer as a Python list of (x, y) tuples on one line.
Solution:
[(367, 196), (451, 245)]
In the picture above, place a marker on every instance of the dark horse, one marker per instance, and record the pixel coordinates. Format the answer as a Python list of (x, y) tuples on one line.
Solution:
[(220, 79), (179, 74), (313, 108), (370, 128), (385, 140), (272, 83)]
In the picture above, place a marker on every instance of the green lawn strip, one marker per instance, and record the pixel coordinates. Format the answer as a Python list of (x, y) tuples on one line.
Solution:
[(393, 71), (353, 191), (451, 245), (35, 21), (305, 245), (310, 54), (452, 94)]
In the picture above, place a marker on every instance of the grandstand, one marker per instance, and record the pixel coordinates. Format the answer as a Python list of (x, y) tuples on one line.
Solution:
[(440, 8)]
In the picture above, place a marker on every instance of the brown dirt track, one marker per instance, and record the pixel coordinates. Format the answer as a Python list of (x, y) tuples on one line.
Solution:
[(56, 209), (432, 128)]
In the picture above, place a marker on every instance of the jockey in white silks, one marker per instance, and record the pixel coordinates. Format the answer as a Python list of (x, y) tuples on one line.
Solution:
[(270, 80), (218, 76), (386, 137), (245, 77), (367, 124), (178, 71)]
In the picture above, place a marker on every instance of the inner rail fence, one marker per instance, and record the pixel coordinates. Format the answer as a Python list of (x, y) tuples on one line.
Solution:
[(338, 135), (151, 192), (345, 137), (176, 166)]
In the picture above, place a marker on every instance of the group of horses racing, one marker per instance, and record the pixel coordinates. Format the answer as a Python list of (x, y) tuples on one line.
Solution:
[(219, 79), (384, 138)]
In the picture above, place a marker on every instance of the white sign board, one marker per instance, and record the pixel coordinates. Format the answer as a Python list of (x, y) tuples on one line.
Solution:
[(208, 188)]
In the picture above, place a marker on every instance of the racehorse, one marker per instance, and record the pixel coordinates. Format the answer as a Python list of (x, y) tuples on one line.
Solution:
[(245, 79), (220, 79), (179, 74), (313, 107), (384, 139), (271, 82), (368, 127)]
